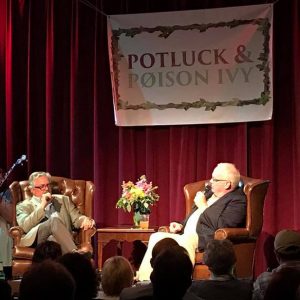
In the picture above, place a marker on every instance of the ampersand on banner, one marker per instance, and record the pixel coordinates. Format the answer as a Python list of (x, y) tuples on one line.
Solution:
[(241, 56)]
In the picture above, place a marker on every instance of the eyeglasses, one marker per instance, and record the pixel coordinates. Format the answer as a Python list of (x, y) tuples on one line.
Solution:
[(217, 180), (42, 186)]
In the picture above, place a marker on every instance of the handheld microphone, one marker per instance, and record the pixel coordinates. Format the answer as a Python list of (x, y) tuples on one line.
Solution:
[(49, 198), (207, 190)]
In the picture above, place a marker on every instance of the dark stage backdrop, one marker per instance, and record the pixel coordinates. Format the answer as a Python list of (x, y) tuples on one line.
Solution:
[(56, 107)]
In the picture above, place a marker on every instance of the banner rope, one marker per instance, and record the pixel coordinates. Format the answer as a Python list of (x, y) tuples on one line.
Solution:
[(91, 5)]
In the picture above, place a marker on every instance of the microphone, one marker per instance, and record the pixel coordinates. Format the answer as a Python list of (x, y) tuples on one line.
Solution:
[(207, 190), (49, 198)]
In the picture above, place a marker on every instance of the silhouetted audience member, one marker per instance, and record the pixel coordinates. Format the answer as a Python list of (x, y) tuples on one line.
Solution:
[(220, 258), (5, 290), (145, 290), (117, 274), (298, 293), (137, 254), (160, 246), (84, 274), (283, 285), (47, 280), (46, 250), (172, 274), (287, 251)]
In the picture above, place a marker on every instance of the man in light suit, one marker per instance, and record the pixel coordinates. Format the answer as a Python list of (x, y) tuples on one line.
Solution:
[(49, 217), (225, 206)]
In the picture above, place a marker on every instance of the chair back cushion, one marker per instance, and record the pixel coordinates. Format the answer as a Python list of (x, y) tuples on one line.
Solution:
[(255, 190)]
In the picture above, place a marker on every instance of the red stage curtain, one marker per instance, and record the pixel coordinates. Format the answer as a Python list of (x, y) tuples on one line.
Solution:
[(56, 107)]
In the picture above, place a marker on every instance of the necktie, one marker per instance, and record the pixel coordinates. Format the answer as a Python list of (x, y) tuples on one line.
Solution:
[(49, 210)]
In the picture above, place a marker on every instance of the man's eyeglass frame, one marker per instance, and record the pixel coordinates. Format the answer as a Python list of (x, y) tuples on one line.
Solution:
[(217, 180), (42, 186)]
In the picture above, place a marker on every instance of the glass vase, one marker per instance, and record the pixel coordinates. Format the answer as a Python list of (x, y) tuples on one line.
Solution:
[(144, 222), (136, 219), (140, 220)]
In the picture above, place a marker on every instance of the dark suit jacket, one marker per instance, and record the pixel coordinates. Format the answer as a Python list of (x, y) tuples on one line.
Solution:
[(233, 289), (145, 292), (228, 211), (141, 292)]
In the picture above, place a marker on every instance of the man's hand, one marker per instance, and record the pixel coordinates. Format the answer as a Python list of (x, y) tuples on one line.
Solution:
[(46, 199), (87, 223), (175, 227), (200, 200)]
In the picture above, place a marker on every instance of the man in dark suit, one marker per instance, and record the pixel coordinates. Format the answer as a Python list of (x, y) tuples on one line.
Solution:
[(225, 206)]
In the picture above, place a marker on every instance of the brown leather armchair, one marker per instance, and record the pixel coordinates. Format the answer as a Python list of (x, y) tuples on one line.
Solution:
[(82, 194), (244, 239)]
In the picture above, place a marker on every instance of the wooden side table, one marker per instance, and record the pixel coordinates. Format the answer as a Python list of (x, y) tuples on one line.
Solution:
[(120, 234)]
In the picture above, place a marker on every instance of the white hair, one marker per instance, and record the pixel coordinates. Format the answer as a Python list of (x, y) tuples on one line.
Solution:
[(36, 175), (231, 173)]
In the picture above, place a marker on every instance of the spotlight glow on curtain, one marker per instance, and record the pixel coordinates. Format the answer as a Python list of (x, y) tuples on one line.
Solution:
[(192, 67)]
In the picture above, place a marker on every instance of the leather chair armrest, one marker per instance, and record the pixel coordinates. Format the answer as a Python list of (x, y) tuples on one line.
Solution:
[(231, 234), (85, 236), (164, 229), (16, 233), (23, 252)]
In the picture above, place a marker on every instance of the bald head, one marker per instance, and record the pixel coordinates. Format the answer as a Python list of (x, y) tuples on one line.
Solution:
[(229, 172)]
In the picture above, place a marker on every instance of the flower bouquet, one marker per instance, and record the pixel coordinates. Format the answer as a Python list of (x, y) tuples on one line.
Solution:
[(138, 197)]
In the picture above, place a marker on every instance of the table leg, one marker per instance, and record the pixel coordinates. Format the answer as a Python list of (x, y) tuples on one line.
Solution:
[(100, 253)]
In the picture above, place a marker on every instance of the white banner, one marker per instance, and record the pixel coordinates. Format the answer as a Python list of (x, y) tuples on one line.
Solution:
[(192, 67)]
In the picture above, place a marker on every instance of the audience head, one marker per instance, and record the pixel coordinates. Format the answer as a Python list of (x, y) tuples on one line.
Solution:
[(117, 274), (137, 254), (172, 273), (5, 290), (161, 245), (83, 273), (297, 297), (287, 245), (46, 250), (220, 257), (47, 280), (225, 178), (283, 285)]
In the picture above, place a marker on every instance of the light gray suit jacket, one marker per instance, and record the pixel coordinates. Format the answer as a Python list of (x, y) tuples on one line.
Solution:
[(30, 214)]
